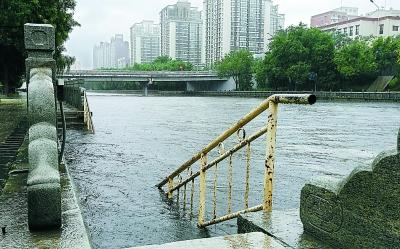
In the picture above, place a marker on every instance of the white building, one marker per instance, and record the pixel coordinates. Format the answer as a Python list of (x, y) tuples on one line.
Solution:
[(119, 51), (111, 54), (238, 24), (277, 20), (102, 55), (145, 42), (181, 32), (367, 26)]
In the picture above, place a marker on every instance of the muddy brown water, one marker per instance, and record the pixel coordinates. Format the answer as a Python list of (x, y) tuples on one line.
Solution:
[(139, 140)]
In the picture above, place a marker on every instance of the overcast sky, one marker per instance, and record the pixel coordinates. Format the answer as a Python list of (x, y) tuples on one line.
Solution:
[(101, 19)]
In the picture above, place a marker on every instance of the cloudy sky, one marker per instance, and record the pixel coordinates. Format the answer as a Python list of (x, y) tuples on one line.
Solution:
[(101, 19)]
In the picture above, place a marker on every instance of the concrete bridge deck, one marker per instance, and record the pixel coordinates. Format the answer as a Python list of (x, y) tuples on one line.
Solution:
[(143, 76)]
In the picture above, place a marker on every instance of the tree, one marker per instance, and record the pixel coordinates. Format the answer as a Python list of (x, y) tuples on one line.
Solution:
[(385, 51), (237, 64), (13, 15), (163, 63), (259, 74), (356, 61), (296, 53)]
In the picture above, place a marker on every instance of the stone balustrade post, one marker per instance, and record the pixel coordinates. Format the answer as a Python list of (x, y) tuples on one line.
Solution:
[(44, 189)]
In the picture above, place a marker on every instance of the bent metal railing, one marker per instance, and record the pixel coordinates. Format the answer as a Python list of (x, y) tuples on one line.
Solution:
[(87, 114), (270, 103)]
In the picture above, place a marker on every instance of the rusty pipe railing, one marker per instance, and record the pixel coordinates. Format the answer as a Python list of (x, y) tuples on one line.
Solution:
[(278, 99), (271, 103)]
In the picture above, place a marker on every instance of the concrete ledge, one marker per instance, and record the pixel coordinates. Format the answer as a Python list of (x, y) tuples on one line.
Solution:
[(237, 241), (283, 226)]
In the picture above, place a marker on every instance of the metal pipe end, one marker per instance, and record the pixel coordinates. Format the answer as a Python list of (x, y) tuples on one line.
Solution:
[(312, 99)]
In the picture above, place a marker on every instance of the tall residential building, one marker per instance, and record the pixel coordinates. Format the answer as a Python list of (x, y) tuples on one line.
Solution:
[(114, 54), (239, 24), (277, 20), (102, 55), (119, 51), (181, 32), (145, 42), (334, 16)]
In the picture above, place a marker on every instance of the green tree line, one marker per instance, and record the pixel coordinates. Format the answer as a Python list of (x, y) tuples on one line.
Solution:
[(162, 63), (301, 58)]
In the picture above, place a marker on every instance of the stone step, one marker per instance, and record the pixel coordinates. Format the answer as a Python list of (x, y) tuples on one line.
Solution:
[(255, 240)]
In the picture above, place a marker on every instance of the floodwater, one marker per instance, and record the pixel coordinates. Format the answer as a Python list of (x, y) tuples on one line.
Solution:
[(140, 140)]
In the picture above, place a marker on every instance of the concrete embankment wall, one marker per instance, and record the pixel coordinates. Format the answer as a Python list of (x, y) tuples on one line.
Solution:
[(368, 96)]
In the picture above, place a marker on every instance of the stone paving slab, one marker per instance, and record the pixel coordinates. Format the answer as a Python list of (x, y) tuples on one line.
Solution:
[(254, 240), (14, 217), (284, 226)]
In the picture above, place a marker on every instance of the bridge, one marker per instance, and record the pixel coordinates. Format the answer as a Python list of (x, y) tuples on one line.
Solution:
[(194, 80)]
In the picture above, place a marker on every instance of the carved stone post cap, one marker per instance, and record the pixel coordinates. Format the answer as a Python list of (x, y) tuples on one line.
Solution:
[(39, 37)]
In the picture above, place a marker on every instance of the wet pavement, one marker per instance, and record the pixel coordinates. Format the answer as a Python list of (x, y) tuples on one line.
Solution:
[(138, 141), (14, 213)]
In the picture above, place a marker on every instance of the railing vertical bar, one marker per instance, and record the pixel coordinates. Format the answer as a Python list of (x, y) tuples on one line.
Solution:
[(178, 191), (230, 179), (184, 193), (202, 187), (215, 191), (170, 186), (246, 193), (270, 156), (191, 196)]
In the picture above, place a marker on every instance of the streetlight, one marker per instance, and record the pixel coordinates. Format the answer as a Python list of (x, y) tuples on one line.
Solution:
[(379, 15)]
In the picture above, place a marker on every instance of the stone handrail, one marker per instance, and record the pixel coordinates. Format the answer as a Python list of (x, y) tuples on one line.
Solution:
[(361, 211), (73, 95), (44, 189)]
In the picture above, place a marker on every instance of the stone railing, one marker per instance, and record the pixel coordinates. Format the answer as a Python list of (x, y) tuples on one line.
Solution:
[(44, 190), (74, 95), (361, 211)]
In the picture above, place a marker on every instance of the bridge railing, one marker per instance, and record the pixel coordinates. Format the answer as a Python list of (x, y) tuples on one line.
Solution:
[(175, 182)]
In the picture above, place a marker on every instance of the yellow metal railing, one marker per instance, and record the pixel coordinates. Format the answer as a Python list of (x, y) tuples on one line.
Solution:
[(87, 114), (174, 185)]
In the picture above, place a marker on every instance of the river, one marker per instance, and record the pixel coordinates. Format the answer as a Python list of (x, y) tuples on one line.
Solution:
[(140, 140)]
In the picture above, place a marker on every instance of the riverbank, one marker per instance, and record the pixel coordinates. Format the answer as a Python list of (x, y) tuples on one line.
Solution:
[(332, 96)]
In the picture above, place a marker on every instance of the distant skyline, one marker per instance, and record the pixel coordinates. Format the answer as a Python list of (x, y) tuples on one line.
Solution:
[(102, 19)]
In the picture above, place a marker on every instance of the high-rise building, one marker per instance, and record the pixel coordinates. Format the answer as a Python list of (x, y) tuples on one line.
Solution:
[(181, 32), (102, 55), (277, 20), (114, 54), (119, 51), (239, 24), (145, 42)]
